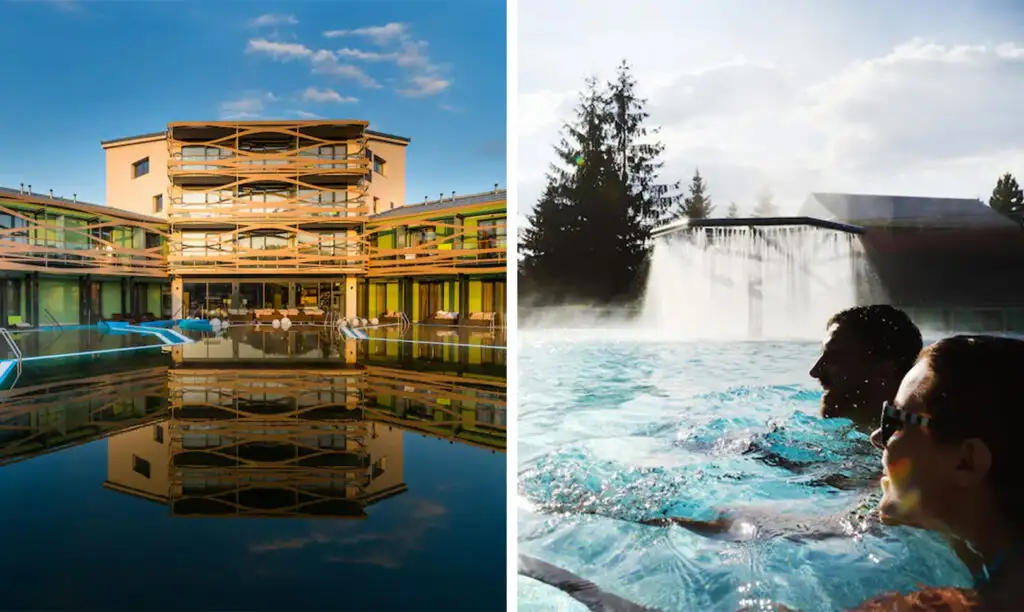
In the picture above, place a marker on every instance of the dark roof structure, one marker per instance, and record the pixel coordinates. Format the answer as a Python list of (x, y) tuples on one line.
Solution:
[(164, 133), (904, 211), (497, 195)]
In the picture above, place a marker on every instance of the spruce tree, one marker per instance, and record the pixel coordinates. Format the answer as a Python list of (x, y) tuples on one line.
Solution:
[(697, 205), (733, 211), (1007, 196), (589, 235)]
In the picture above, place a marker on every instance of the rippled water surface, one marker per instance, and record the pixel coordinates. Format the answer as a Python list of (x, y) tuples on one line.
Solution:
[(635, 427)]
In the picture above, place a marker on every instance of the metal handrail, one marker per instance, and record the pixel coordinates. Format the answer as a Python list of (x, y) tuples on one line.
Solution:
[(13, 346), (53, 318)]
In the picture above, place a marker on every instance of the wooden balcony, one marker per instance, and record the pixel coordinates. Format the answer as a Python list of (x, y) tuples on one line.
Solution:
[(466, 236), (283, 202), (278, 249), (241, 173), (73, 239)]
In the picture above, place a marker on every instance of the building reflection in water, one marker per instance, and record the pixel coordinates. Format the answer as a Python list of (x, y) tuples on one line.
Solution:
[(265, 422)]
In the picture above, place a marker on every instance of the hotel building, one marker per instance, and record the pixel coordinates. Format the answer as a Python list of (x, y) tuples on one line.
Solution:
[(225, 217)]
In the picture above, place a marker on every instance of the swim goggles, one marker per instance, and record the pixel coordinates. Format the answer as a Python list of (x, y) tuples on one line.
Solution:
[(893, 420)]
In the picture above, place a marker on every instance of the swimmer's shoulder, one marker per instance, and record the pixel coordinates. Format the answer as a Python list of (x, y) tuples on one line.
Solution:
[(937, 599)]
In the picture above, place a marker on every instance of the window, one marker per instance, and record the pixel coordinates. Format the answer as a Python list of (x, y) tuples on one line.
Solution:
[(158, 434), (140, 466), (376, 205), (140, 168), (158, 203), (378, 165)]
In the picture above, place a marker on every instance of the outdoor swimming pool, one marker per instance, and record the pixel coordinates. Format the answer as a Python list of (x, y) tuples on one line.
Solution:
[(123, 478), (639, 427), (75, 339)]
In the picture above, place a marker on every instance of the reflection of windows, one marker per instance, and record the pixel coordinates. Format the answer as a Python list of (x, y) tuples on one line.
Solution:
[(140, 466), (140, 168)]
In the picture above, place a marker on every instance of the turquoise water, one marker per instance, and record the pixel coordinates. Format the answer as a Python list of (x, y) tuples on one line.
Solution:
[(633, 427)]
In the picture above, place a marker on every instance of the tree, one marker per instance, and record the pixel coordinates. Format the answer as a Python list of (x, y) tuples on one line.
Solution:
[(697, 205), (589, 234), (766, 205), (637, 155), (733, 212), (1007, 196)]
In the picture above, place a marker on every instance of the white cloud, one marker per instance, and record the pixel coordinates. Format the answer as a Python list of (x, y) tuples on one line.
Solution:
[(380, 35), (312, 94), (301, 114), (423, 77), (923, 106), (249, 106), (421, 86), (326, 63), (280, 51), (270, 20)]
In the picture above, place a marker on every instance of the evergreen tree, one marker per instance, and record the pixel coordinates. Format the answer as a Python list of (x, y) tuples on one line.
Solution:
[(637, 155), (733, 212), (588, 236), (766, 205), (1007, 196), (697, 205)]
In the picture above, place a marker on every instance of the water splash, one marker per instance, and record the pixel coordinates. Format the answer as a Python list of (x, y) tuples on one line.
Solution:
[(751, 282)]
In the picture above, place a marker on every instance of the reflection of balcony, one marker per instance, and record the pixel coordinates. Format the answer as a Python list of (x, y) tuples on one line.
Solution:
[(295, 468), (50, 416)]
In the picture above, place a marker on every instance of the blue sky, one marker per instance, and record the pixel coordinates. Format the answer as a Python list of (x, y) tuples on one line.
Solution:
[(89, 70)]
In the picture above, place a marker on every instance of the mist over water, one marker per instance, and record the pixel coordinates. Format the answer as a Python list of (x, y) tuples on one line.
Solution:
[(738, 283)]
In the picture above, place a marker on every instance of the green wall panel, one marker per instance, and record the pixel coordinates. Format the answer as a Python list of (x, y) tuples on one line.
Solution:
[(60, 297)]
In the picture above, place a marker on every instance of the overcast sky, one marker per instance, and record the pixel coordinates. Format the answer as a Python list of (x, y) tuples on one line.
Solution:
[(912, 98)]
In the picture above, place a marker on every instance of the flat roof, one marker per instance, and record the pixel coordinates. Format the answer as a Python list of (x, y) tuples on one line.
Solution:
[(498, 195), (8, 193), (686, 223), (163, 133)]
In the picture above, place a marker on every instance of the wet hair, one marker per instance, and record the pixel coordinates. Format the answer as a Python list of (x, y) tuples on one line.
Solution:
[(886, 332), (973, 390)]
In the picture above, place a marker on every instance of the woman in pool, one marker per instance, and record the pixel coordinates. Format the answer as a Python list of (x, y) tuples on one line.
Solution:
[(949, 462)]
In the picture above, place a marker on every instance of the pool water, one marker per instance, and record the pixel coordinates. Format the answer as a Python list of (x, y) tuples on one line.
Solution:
[(214, 476), (622, 423), (74, 339)]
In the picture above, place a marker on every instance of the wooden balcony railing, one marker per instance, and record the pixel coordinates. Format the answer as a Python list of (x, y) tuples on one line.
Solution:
[(35, 245), (299, 202), (297, 251), (459, 249), (266, 152)]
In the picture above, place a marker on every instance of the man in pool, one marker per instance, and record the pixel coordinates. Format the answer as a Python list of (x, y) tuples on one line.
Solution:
[(865, 354)]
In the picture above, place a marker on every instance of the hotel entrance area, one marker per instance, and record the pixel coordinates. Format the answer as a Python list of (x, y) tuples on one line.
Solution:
[(301, 300)]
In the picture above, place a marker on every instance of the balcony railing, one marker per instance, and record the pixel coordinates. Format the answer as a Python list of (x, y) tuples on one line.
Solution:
[(80, 250), (464, 250), (348, 206)]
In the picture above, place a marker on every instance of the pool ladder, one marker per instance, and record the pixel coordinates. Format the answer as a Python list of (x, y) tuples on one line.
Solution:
[(14, 350), (404, 322)]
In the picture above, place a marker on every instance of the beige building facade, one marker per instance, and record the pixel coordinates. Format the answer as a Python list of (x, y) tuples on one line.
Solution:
[(261, 214)]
